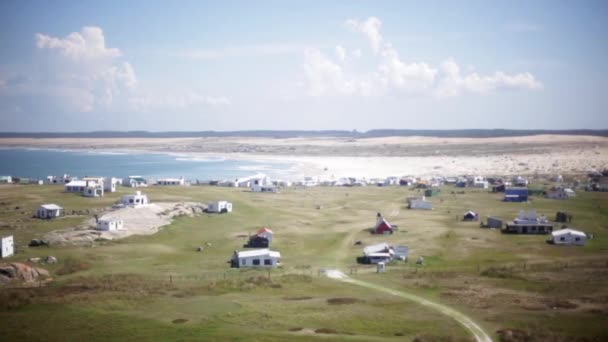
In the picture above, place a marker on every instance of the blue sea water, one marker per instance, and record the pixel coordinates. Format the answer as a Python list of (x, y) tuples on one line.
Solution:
[(39, 163)]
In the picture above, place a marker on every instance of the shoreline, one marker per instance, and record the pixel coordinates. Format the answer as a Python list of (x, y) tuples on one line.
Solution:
[(332, 158)]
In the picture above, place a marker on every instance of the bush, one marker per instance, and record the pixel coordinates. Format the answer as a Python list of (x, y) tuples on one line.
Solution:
[(71, 265)]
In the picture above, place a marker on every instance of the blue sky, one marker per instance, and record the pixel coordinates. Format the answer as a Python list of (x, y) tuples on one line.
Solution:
[(237, 65)]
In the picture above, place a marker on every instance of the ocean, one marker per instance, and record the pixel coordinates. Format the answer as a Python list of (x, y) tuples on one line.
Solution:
[(40, 163)]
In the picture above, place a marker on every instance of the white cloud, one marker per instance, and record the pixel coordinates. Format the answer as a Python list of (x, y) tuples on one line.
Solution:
[(82, 74), (453, 83), (89, 43), (341, 53), (392, 74), (370, 28), (357, 53)]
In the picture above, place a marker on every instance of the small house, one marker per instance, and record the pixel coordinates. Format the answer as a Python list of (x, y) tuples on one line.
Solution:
[(6, 179), (516, 194), (528, 223), (77, 186), (65, 179), (480, 182), (171, 181), (256, 258), (377, 253), (48, 211), (7, 246), (266, 233), (382, 226), (219, 207), (95, 190), (257, 241), (494, 222), (420, 204), (265, 188), (569, 237), (470, 216), (561, 193), (135, 199), (135, 182), (519, 181), (110, 183), (109, 224)]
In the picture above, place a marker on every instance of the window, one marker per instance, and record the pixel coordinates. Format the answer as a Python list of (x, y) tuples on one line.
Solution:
[(577, 239), (130, 200), (243, 262), (267, 262), (256, 262), (562, 239)]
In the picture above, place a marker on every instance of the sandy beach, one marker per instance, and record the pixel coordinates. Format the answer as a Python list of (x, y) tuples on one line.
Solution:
[(373, 157)]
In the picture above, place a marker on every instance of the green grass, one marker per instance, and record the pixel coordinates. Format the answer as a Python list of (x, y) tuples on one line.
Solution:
[(134, 289)]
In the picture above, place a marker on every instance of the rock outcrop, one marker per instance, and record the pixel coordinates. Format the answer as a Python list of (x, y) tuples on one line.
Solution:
[(21, 272)]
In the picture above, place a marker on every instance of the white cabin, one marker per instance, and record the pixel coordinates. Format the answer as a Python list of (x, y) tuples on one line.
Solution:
[(109, 224), (266, 233), (7, 247), (568, 236), (420, 204), (78, 185), (171, 181), (256, 258), (48, 211), (6, 179), (219, 207), (264, 188), (135, 199), (135, 182), (110, 183)]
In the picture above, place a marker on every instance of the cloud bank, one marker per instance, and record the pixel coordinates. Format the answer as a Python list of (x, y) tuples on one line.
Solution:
[(326, 76)]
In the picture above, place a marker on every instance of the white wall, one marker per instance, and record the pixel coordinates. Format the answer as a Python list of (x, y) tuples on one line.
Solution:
[(6, 247)]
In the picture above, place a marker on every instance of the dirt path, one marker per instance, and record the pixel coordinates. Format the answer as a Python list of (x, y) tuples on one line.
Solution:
[(468, 323)]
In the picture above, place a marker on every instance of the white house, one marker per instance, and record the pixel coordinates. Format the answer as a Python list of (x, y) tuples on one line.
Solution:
[(109, 224), (256, 258), (480, 182), (568, 236), (135, 182), (110, 183), (93, 191), (135, 199), (264, 188), (60, 180), (420, 204), (219, 207), (266, 233), (7, 246), (377, 253), (6, 179), (171, 181), (48, 211), (561, 194), (77, 186)]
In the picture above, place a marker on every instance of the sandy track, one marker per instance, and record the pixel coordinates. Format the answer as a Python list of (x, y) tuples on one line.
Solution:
[(467, 322)]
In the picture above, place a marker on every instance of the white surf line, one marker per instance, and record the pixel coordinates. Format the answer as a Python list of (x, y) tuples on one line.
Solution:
[(468, 323)]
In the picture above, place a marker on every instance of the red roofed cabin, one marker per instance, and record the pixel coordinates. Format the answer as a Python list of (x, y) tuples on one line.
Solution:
[(382, 226), (266, 233)]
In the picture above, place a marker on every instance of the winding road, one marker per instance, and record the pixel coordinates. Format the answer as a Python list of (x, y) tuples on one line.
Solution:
[(467, 322)]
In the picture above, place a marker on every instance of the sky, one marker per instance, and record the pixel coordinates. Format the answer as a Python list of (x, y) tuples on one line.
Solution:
[(69, 66)]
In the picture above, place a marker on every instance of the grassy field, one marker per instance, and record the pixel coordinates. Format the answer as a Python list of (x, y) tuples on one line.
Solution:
[(159, 288)]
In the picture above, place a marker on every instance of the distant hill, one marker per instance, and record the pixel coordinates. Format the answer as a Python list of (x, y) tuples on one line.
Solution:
[(457, 133)]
